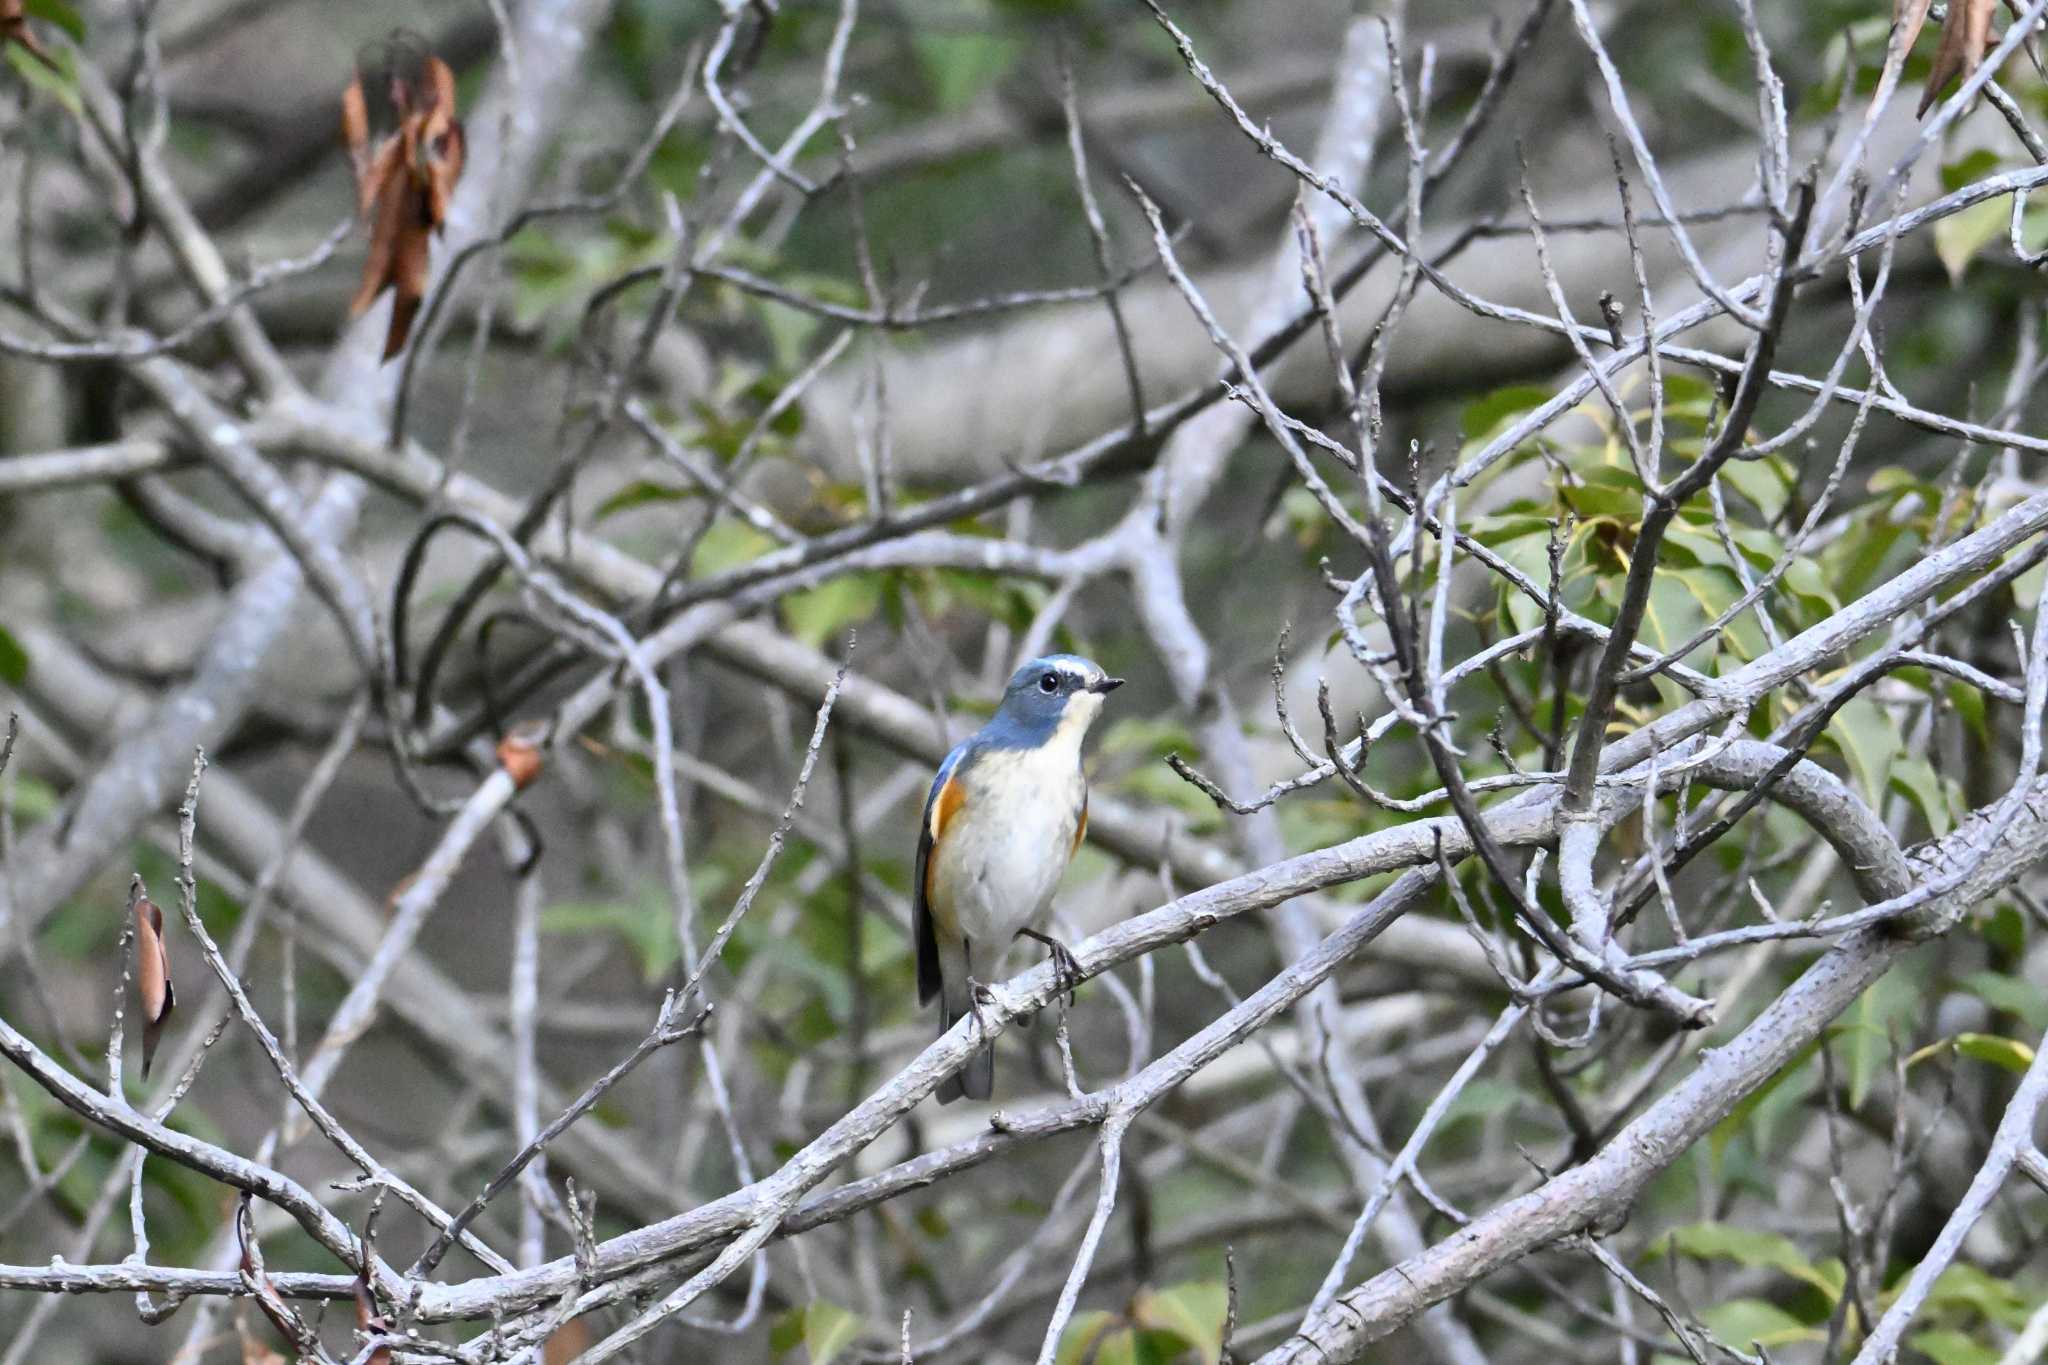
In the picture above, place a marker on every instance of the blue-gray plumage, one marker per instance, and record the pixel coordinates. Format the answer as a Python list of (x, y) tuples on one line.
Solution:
[(1004, 816)]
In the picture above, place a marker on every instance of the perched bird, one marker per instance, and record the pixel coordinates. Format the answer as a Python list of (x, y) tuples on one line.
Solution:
[(1004, 816)]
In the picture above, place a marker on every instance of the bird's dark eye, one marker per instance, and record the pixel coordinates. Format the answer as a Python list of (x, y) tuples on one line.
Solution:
[(1049, 683)]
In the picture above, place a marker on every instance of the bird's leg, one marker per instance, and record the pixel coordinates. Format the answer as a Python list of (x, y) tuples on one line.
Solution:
[(978, 994), (1066, 972)]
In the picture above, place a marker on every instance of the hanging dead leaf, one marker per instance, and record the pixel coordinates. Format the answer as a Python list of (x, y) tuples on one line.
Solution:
[(1907, 18), (369, 1320), (567, 1342), (1965, 36), (406, 147), (14, 29), (257, 1280), (519, 753), (152, 974)]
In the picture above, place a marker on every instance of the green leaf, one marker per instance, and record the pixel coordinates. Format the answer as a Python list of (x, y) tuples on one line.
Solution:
[(1756, 1249), (646, 928), (1959, 237), (1192, 1312), (1804, 577), (1756, 1322), (1966, 1289), (1484, 417), (2009, 1053), (816, 614), (646, 922), (1914, 778), (1868, 739), (1984, 1047), (1482, 1099), (1947, 1347), (59, 13), (1766, 484), (1673, 613), (1967, 169), (828, 1330), (638, 494), (2011, 994), (1755, 1104), (728, 544), (61, 84), (13, 660), (1970, 709), (2004, 930), (1890, 1000), (1086, 1338), (788, 1332), (959, 65)]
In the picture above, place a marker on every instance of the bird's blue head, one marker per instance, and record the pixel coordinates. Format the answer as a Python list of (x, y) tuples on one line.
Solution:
[(1059, 694)]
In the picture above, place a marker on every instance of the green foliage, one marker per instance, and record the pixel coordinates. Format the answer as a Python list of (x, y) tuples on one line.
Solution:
[(728, 544), (645, 921), (2011, 994), (60, 84), (1961, 238), (1595, 499), (1864, 733), (641, 493), (959, 65), (2009, 1053), (1946, 1346), (824, 612), (13, 660), (1756, 1249), (1881, 1013), (821, 1327), (555, 275), (59, 12), (1157, 1327), (1483, 1099), (1760, 1110), (1965, 1293), (1758, 1322)]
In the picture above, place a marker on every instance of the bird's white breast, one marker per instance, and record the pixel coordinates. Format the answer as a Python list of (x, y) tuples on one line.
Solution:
[(1001, 858)]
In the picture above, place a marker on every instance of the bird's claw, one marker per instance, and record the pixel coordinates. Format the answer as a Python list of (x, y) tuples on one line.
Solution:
[(1066, 972), (978, 995)]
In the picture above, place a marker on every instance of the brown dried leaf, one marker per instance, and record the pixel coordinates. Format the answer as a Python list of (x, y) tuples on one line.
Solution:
[(443, 156), (387, 220), (152, 977), (408, 277), (519, 754), (1907, 18), (355, 135), (405, 178), (369, 1320), (569, 1340), (257, 1279), (14, 29), (1965, 38)]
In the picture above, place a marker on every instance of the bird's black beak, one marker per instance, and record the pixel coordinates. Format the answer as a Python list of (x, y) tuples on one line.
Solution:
[(1106, 685)]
